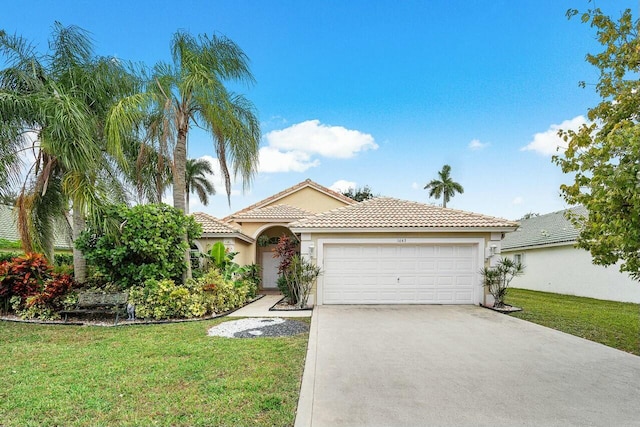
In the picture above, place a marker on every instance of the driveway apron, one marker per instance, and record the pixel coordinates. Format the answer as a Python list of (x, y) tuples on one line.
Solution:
[(459, 366)]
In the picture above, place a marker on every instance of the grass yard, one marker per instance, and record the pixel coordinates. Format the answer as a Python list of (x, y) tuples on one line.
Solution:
[(615, 324), (156, 375)]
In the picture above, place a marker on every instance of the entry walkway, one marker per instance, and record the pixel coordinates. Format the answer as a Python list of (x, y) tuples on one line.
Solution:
[(260, 308)]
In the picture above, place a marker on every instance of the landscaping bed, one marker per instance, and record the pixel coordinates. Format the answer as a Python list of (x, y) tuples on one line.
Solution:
[(108, 320), (615, 324)]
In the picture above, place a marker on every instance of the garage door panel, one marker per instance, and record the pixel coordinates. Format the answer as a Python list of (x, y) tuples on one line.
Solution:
[(446, 251), (388, 274), (426, 251), (464, 265), (427, 266)]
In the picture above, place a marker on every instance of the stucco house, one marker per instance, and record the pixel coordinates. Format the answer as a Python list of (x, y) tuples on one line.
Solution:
[(546, 246), (380, 251)]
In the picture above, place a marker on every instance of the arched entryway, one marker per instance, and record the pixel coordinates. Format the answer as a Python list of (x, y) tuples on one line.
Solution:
[(266, 241)]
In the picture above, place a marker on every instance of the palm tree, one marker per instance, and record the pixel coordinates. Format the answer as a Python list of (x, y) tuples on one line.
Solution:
[(61, 100), (197, 182), (190, 92), (444, 187)]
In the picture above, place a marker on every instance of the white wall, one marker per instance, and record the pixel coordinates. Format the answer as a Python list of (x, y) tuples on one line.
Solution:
[(567, 270)]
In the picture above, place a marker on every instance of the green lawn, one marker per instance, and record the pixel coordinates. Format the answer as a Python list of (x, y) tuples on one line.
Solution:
[(156, 375), (615, 324)]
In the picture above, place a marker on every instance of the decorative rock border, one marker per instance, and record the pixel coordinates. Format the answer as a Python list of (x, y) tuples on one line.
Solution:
[(505, 310), (275, 307)]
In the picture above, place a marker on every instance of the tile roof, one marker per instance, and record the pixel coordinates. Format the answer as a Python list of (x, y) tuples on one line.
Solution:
[(275, 212), (387, 212), (213, 225), (9, 229), (550, 229), (290, 190)]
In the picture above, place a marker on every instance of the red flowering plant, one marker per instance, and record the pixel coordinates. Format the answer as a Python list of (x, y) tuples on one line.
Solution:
[(286, 250)]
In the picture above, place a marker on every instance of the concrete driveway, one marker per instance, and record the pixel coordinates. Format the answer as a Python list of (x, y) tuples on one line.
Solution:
[(459, 366)]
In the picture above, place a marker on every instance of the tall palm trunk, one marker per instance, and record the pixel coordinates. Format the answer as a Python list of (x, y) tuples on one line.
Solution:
[(79, 262), (179, 165)]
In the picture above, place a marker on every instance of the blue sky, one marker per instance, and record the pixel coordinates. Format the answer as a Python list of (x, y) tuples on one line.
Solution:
[(381, 93)]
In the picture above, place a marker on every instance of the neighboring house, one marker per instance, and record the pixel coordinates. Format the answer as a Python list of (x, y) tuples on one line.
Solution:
[(9, 230), (546, 246), (380, 251)]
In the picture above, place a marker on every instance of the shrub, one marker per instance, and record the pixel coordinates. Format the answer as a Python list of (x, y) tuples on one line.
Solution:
[(147, 244), (211, 293), (60, 260), (46, 304), (221, 294), (8, 256), (163, 299), (32, 289), (285, 250), (298, 280), (498, 278), (252, 274), (25, 275)]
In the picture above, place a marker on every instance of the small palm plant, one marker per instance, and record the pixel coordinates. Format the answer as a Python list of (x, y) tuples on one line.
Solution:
[(299, 279), (498, 278)]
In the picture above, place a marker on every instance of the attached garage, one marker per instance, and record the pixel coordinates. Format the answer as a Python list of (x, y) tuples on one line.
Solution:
[(391, 251), (410, 273)]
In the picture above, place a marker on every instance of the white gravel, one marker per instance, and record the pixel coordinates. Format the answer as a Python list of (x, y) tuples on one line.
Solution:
[(252, 326), (259, 326)]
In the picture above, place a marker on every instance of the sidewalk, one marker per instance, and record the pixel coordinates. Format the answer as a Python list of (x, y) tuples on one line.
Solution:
[(260, 308)]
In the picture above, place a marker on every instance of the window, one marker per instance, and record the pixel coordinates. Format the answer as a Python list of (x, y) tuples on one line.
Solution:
[(518, 258)]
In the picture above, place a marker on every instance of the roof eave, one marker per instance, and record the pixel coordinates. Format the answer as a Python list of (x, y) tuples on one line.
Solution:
[(401, 229), (228, 235), (539, 246), (287, 220)]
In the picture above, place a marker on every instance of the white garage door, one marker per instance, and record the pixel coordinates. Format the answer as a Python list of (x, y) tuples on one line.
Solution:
[(399, 274)]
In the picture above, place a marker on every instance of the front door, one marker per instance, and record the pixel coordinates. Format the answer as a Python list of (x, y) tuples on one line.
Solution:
[(269, 271)]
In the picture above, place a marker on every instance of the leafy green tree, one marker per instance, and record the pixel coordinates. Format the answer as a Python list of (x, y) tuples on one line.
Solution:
[(359, 194), (148, 171), (60, 100), (148, 245), (603, 157), (191, 91), (444, 187), (197, 182)]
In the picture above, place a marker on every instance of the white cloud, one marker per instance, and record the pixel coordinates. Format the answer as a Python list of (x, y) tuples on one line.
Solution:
[(475, 145), (314, 138), (273, 160), (517, 201), (416, 186), (342, 185), (548, 142)]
